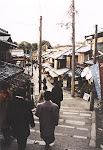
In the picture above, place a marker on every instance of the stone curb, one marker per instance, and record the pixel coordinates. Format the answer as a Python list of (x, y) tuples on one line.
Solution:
[(93, 130)]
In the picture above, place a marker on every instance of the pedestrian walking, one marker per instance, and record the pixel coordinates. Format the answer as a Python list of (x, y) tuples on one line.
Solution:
[(5, 100), (41, 95), (48, 114), (57, 93), (35, 66), (21, 118), (44, 81)]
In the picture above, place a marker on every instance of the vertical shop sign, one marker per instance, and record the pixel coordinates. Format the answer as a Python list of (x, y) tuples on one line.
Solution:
[(101, 76), (96, 77)]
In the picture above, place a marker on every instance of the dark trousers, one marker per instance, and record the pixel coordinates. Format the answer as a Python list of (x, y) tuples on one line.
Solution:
[(21, 143), (6, 134)]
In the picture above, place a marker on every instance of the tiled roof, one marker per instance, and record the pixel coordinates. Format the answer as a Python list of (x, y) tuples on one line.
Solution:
[(14, 74), (9, 43), (19, 80), (4, 38), (7, 70), (3, 32)]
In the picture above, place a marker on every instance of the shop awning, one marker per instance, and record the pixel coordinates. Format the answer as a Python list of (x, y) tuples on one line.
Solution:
[(52, 74)]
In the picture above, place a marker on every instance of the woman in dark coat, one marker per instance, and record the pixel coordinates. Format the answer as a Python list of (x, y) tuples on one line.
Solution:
[(22, 117), (57, 93)]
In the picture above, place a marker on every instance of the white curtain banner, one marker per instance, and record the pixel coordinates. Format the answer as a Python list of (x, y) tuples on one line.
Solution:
[(96, 77)]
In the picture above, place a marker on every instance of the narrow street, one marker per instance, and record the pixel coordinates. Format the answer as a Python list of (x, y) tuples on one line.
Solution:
[(73, 131)]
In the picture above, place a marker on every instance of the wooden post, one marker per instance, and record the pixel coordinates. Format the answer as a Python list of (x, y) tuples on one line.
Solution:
[(73, 51), (92, 98)]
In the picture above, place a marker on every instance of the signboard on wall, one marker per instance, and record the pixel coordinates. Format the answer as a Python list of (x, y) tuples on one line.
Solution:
[(64, 83), (76, 82)]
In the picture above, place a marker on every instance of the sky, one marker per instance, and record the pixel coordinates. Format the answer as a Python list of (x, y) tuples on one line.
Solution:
[(21, 18)]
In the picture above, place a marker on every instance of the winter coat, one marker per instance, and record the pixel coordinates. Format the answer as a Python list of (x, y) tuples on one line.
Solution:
[(21, 118), (48, 114), (57, 95)]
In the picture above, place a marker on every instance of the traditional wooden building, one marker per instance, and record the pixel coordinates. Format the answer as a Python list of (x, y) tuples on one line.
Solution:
[(91, 40), (18, 57), (5, 44), (10, 72), (84, 54)]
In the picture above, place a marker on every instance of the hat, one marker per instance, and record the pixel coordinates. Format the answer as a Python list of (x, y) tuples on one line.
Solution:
[(47, 95)]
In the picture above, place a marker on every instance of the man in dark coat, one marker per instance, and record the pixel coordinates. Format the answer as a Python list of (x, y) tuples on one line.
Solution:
[(57, 93), (21, 118), (48, 114)]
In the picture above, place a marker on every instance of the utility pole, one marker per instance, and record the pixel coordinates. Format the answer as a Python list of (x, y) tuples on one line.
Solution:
[(92, 93), (40, 53), (73, 51)]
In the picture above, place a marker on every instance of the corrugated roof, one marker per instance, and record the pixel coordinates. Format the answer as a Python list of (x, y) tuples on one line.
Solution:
[(60, 71), (46, 53), (56, 71), (89, 62), (84, 48), (58, 54), (52, 74), (92, 34), (46, 65)]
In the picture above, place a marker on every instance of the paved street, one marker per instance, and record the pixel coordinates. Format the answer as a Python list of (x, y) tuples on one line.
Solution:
[(75, 130)]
